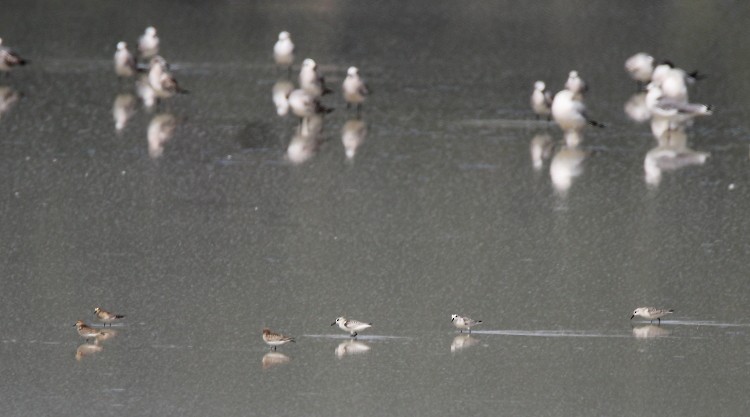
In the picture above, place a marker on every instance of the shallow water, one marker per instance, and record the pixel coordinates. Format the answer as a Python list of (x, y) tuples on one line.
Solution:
[(204, 235)]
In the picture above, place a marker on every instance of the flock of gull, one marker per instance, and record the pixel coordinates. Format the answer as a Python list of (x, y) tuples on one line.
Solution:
[(661, 100)]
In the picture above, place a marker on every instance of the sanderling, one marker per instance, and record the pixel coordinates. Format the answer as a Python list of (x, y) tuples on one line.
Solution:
[(569, 112), (283, 50), (87, 332), (106, 317), (9, 58), (275, 339), (311, 80), (541, 100), (148, 43), (354, 89), (575, 83), (651, 313), (304, 104), (125, 65), (161, 80), (464, 323), (351, 326), (640, 67)]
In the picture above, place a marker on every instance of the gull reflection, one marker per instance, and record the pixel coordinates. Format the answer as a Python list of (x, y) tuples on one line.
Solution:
[(106, 334), (160, 130), (463, 341), (123, 109), (145, 92), (636, 108), (280, 91), (351, 347), (306, 140), (649, 331), (541, 150), (88, 349), (272, 359), (566, 165), (353, 135), (670, 154), (8, 98)]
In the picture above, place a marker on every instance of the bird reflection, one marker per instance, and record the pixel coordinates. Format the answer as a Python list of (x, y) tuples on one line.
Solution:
[(272, 359), (160, 130), (106, 334), (145, 92), (123, 109), (88, 349), (280, 91), (636, 108), (351, 347), (670, 154), (566, 165), (8, 98), (463, 341), (306, 140), (353, 135), (541, 149), (649, 331)]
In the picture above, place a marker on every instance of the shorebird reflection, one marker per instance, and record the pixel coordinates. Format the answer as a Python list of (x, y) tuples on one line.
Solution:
[(306, 140), (351, 347), (649, 331), (353, 135), (8, 98), (272, 359), (463, 341), (671, 154), (88, 349), (160, 131), (123, 109), (636, 108), (566, 165), (280, 92), (541, 150)]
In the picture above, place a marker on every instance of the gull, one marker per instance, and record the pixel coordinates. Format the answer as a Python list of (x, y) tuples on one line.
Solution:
[(575, 83), (311, 80), (464, 323), (125, 66), (640, 67), (106, 317), (275, 339), (351, 326), (283, 50), (148, 43), (354, 89), (541, 100), (674, 81), (9, 58), (87, 332), (161, 80), (651, 313), (569, 112)]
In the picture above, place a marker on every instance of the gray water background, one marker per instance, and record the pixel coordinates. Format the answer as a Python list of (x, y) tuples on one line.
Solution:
[(439, 212)]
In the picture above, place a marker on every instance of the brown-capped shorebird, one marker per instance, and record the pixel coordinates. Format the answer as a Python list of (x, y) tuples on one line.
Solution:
[(87, 332), (275, 339)]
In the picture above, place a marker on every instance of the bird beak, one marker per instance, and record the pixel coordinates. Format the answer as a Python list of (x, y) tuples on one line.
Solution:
[(453, 318), (333, 323), (631, 317)]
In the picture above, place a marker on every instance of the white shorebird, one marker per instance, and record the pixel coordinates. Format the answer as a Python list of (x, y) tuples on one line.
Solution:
[(106, 316), (148, 43), (651, 313), (275, 339), (311, 80), (640, 67), (351, 326), (161, 79), (354, 89), (541, 100), (303, 104), (9, 58), (125, 65), (569, 112), (575, 83), (283, 50), (464, 323), (675, 113), (87, 332)]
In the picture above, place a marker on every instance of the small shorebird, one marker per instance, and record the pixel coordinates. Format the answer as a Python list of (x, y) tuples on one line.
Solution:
[(575, 83), (148, 43), (651, 313), (541, 101), (87, 332), (9, 58), (311, 80), (351, 326), (640, 67), (355, 89), (125, 66), (283, 51), (161, 79), (275, 339), (105, 316), (464, 323)]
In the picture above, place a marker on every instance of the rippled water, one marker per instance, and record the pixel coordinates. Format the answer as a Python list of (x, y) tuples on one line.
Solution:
[(206, 218)]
